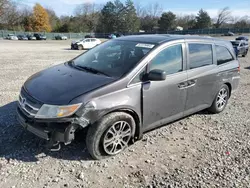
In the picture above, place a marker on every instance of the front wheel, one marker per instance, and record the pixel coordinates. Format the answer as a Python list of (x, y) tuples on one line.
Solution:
[(80, 47), (244, 55), (221, 100), (111, 135)]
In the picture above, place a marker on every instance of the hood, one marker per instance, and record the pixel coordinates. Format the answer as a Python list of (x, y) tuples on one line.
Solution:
[(76, 41), (62, 83)]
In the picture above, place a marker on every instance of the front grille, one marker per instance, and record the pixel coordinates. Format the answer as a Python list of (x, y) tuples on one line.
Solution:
[(28, 104)]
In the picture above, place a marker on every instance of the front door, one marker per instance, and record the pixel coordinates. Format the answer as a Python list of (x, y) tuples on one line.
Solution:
[(164, 101), (87, 44)]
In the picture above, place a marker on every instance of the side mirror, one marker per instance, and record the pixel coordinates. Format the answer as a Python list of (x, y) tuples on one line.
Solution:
[(156, 75)]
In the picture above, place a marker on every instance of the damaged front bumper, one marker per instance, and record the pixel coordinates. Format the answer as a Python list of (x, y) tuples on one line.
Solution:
[(53, 130)]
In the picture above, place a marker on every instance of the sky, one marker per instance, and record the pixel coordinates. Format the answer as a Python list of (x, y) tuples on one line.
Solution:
[(239, 8)]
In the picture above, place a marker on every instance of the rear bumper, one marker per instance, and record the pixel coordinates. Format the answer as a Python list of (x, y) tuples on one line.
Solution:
[(63, 131)]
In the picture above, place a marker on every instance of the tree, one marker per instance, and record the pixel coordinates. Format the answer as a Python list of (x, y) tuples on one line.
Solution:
[(87, 17), (4, 5), (167, 21), (130, 18), (120, 14), (241, 24), (40, 19), (154, 10), (54, 21), (203, 20), (117, 17), (149, 16), (27, 19), (186, 21), (223, 16), (10, 15), (108, 18), (149, 23)]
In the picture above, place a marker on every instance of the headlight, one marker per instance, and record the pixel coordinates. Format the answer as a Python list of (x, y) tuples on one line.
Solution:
[(53, 111)]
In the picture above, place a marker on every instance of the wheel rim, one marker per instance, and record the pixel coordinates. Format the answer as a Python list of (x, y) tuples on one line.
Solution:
[(117, 137), (222, 98)]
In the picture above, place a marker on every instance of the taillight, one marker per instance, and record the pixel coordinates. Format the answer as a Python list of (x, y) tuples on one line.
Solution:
[(239, 68)]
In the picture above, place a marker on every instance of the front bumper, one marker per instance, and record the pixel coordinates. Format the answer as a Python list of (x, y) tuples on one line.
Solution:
[(74, 46), (62, 130)]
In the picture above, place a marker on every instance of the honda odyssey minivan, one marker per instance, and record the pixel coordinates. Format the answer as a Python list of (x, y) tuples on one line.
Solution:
[(126, 86)]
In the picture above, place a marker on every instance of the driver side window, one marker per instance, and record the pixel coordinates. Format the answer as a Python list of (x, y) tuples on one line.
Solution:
[(169, 60)]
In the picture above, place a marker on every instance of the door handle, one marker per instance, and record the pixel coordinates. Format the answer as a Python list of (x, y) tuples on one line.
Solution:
[(182, 85), (191, 83)]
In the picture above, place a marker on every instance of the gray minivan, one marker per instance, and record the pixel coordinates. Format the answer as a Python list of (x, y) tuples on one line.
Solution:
[(124, 87)]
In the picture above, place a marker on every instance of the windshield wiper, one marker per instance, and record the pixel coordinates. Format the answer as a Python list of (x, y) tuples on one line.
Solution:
[(90, 69)]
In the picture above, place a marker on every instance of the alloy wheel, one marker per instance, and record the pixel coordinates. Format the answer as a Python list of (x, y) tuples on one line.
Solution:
[(222, 97), (117, 137)]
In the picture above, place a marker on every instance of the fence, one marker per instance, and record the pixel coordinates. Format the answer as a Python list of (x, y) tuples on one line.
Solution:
[(4, 33)]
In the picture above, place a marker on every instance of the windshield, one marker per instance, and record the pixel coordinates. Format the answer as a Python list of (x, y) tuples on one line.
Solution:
[(113, 58), (235, 43)]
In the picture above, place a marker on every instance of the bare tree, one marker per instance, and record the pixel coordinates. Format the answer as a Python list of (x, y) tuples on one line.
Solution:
[(140, 10), (154, 10), (224, 16), (87, 16), (87, 9), (186, 21), (4, 5)]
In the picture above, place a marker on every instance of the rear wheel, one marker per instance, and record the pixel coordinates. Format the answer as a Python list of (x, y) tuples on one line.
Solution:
[(221, 100), (111, 135)]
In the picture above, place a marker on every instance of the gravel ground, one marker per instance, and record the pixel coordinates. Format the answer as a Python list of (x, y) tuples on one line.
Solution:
[(202, 150)]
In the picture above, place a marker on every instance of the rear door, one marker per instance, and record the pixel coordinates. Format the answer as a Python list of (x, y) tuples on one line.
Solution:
[(202, 76), (164, 101)]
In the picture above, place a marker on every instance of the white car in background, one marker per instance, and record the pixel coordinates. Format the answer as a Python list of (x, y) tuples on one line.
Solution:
[(86, 43), (11, 37)]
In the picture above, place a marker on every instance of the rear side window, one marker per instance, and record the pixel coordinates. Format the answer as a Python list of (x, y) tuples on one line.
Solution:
[(200, 55), (223, 55)]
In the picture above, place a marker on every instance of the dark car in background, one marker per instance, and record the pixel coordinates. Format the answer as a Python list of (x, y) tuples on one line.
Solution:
[(127, 86), (240, 47), (245, 38), (22, 37), (40, 36), (61, 37), (119, 35), (112, 36), (89, 36), (229, 34), (31, 37)]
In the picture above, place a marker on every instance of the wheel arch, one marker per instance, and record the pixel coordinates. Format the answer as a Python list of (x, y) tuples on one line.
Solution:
[(229, 87)]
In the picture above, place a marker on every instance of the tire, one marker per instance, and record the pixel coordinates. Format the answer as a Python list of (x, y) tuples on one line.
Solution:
[(244, 55), (100, 132), (80, 47), (218, 104)]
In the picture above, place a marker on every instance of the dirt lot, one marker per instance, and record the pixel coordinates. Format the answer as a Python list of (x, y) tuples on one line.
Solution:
[(202, 150)]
